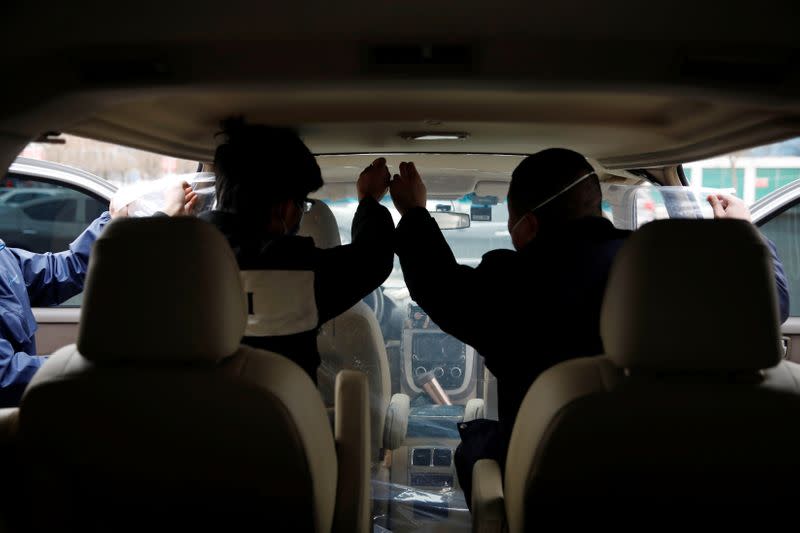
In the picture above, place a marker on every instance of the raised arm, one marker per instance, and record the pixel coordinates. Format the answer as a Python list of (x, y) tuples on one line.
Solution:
[(727, 206), (447, 291), (346, 274), (52, 278)]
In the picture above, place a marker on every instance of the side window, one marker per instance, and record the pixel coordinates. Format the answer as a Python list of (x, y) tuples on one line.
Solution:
[(22, 197), (40, 216), (93, 209), (56, 210), (784, 231)]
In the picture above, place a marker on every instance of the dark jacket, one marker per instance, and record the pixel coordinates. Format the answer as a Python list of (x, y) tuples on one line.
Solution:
[(523, 311), (342, 275)]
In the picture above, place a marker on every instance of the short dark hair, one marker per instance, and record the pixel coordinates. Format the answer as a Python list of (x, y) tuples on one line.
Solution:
[(258, 165), (543, 174)]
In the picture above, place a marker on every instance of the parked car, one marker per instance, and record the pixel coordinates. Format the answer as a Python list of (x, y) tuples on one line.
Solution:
[(49, 205)]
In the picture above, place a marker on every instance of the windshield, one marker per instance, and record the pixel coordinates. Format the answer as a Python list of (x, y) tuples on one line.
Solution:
[(468, 244)]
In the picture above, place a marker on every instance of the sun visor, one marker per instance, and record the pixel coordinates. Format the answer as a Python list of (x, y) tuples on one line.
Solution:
[(498, 189)]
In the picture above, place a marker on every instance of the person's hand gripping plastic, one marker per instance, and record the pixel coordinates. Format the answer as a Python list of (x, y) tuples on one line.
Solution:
[(179, 200), (727, 206)]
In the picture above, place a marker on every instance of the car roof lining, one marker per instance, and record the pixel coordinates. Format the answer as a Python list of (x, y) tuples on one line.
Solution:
[(621, 129), (627, 87)]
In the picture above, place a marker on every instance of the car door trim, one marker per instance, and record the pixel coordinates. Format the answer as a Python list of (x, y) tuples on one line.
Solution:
[(57, 315)]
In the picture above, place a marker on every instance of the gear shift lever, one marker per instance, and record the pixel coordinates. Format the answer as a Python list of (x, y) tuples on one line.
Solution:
[(431, 385)]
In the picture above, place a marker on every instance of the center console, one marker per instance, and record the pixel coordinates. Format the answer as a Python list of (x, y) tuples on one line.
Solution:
[(423, 470), (427, 349)]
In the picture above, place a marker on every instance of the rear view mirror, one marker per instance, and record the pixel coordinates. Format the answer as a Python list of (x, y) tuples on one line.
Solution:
[(449, 220)]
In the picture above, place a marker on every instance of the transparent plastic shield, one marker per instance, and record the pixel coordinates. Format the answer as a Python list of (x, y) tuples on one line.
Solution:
[(415, 487), (657, 203), (145, 198), (441, 380), (406, 508), (423, 384), (631, 206), (415, 413)]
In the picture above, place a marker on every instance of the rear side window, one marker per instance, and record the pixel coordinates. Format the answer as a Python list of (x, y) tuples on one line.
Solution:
[(62, 209), (784, 231), (40, 216), (22, 197), (93, 209), (749, 174)]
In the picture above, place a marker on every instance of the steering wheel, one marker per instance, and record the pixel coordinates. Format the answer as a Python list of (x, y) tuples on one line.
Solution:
[(375, 301)]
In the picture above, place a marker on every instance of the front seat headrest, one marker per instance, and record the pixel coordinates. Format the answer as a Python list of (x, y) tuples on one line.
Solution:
[(161, 289), (320, 224), (692, 295)]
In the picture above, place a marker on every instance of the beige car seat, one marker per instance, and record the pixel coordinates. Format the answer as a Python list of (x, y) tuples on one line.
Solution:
[(159, 419), (690, 415), (353, 340)]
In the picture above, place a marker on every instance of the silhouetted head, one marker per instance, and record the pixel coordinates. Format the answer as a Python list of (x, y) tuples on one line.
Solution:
[(550, 188), (264, 174)]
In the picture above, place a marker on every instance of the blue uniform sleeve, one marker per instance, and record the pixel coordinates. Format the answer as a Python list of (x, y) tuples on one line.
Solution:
[(16, 371), (781, 283), (52, 278)]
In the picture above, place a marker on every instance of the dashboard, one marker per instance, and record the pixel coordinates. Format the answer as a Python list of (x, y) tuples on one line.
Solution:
[(427, 349)]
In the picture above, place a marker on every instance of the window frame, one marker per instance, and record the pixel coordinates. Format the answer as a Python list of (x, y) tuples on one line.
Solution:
[(777, 204), (57, 183), (80, 181)]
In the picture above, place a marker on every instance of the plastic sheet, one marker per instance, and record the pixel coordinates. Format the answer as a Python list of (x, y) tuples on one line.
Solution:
[(417, 488), (632, 206), (145, 198), (414, 485), (414, 509)]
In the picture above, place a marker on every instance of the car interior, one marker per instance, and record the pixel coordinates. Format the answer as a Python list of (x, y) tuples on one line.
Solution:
[(150, 412)]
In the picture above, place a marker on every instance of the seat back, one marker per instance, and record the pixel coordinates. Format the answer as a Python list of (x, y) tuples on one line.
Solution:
[(351, 341), (688, 409), (11, 498), (158, 417)]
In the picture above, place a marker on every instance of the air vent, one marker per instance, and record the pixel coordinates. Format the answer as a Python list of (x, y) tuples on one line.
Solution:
[(421, 457), (420, 59)]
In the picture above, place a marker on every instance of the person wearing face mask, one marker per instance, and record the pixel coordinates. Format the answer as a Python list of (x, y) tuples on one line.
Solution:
[(527, 309), (264, 175)]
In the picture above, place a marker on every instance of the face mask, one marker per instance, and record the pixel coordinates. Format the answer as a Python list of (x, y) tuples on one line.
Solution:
[(562, 191), (511, 231), (550, 199)]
